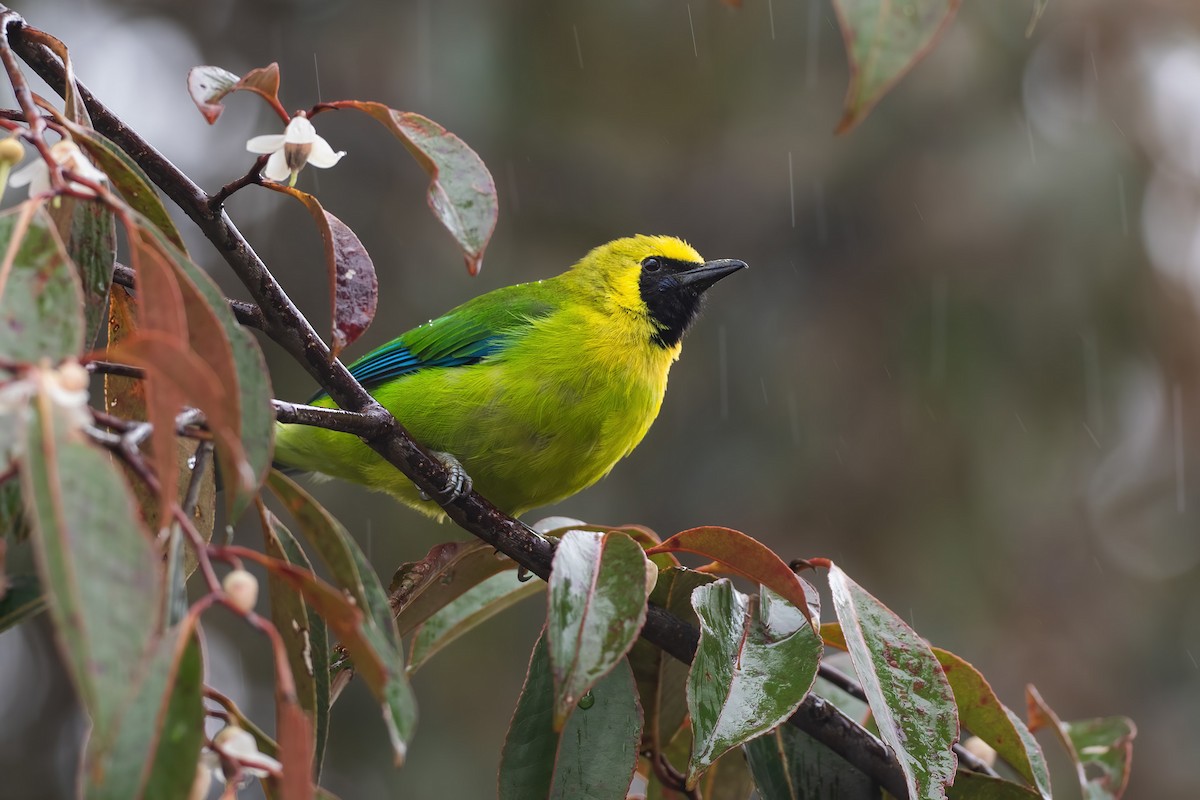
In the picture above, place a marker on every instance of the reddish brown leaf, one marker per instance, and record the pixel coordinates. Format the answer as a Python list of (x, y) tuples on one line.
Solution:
[(1101, 749), (419, 588), (166, 360), (741, 555), (353, 288), (208, 85), (72, 102), (295, 749), (461, 193)]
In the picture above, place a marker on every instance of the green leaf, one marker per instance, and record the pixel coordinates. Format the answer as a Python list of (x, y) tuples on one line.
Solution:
[(41, 302), (353, 287), (594, 756), (982, 713), (661, 679), (756, 661), (743, 555), (788, 764), (353, 573), (973, 786), (469, 611), (420, 588), (155, 751), (884, 40), (127, 177), (303, 631), (91, 239), (1101, 748), (461, 192), (899, 673), (598, 590), (96, 561), (23, 600)]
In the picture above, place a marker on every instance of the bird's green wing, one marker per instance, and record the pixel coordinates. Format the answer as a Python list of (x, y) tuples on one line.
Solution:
[(466, 335)]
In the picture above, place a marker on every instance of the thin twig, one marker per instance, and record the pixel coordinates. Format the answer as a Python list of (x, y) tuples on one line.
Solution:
[(247, 314), (251, 178)]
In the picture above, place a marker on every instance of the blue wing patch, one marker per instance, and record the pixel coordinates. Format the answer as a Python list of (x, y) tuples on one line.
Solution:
[(395, 359)]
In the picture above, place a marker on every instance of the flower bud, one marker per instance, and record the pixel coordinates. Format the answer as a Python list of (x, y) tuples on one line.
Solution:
[(242, 588), (11, 151), (981, 750)]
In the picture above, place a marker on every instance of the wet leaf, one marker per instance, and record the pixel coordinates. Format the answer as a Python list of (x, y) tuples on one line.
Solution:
[(973, 786), (1101, 748), (593, 757), (41, 302), (98, 566), (755, 663), (909, 695), (661, 679), (741, 555), (982, 713), (209, 85), (353, 287), (884, 40), (461, 192), (86, 226), (23, 600), (420, 588), (470, 610), (157, 746), (353, 573), (302, 629), (598, 591), (788, 764)]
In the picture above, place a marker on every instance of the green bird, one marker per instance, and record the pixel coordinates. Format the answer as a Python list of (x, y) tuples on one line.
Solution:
[(537, 390)]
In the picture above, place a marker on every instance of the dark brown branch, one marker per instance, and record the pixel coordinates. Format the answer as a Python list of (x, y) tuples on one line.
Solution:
[(284, 323), (251, 178), (247, 314)]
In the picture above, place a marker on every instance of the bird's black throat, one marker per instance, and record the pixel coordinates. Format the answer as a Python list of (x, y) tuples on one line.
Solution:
[(672, 304), (673, 291)]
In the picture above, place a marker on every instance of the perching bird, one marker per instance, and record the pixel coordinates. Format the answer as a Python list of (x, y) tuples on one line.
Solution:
[(538, 389)]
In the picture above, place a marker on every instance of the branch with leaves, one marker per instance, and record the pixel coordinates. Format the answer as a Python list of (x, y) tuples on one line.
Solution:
[(759, 706)]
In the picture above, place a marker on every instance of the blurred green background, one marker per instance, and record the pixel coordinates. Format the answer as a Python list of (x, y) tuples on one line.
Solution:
[(963, 364)]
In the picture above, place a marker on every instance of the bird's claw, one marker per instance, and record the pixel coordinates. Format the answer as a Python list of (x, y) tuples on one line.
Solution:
[(460, 481)]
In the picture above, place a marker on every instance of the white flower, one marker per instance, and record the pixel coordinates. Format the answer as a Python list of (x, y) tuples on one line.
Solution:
[(297, 146), (68, 156), (239, 745)]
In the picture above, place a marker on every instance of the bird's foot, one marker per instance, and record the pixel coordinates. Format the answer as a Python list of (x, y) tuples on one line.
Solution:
[(460, 481)]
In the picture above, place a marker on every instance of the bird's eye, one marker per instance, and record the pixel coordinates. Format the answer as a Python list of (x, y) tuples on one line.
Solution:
[(652, 264)]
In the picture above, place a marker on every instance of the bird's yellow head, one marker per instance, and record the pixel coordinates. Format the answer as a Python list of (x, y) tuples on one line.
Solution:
[(659, 279)]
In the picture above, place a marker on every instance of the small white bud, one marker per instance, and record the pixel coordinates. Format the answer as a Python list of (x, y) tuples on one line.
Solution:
[(242, 588)]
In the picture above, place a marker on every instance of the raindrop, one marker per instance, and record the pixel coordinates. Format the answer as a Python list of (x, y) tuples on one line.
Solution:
[(792, 188), (692, 25), (814, 44), (1180, 494), (578, 46), (1121, 201), (587, 701), (191, 462), (771, 16)]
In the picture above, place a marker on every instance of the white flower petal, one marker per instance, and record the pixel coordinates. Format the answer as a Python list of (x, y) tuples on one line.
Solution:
[(266, 144), (28, 173), (322, 154), (300, 131), (277, 168)]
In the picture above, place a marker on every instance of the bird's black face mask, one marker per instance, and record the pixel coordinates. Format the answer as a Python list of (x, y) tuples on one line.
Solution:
[(673, 290)]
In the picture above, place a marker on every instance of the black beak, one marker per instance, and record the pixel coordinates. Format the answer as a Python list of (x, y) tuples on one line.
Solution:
[(708, 273)]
